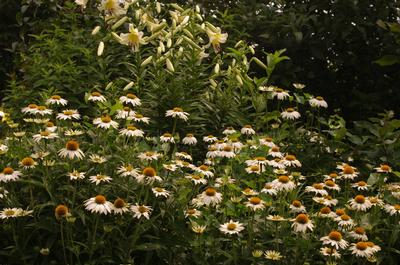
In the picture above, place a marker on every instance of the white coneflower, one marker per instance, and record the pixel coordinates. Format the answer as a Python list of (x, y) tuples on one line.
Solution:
[(198, 229), (297, 207), (189, 139), (258, 161), (247, 130), (269, 189), (384, 168), (210, 139), (43, 110), (345, 222), (335, 239), (125, 113), (273, 255), (19, 134), (130, 99), (236, 144), (333, 176), (210, 197), (3, 193), (160, 192), (184, 164), (326, 212), (331, 185), (274, 152), (127, 170), (76, 175), (267, 141), (360, 203), (231, 228), (69, 114), (249, 192), (170, 167), (139, 118), (392, 209), (255, 203), (167, 138), (330, 252), (3, 149), (318, 102), (290, 114), (276, 218), (302, 223), (317, 189), (177, 113), (220, 144), (99, 178), (61, 211), (373, 248), (40, 121), (375, 201), (10, 213), (9, 174), (120, 206), (141, 211), (150, 175), (28, 163), (279, 93), (133, 38), (131, 131), (44, 135), (72, 132), (361, 249), (30, 109), (227, 152), (361, 185), (205, 170), (50, 127), (105, 122), (149, 156), (291, 161), (326, 200), (229, 131), (193, 212), (98, 159), (56, 99), (98, 204), (283, 183), (212, 152), (96, 97), (40, 155), (71, 150), (219, 182), (348, 172), (183, 155), (299, 85), (276, 163), (254, 169), (197, 179), (358, 234)]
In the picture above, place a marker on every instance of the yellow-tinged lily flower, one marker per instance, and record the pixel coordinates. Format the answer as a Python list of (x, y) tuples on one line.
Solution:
[(133, 39), (216, 38)]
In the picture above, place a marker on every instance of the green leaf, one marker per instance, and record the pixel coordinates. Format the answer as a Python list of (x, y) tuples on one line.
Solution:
[(387, 60), (298, 35)]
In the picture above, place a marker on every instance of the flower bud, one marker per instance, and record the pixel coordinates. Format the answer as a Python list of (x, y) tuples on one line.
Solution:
[(100, 49)]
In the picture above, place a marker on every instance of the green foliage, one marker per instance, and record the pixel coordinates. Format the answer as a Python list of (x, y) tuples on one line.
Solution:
[(151, 58), (334, 47)]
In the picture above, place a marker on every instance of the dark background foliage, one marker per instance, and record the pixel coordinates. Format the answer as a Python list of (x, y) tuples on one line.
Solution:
[(333, 45)]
